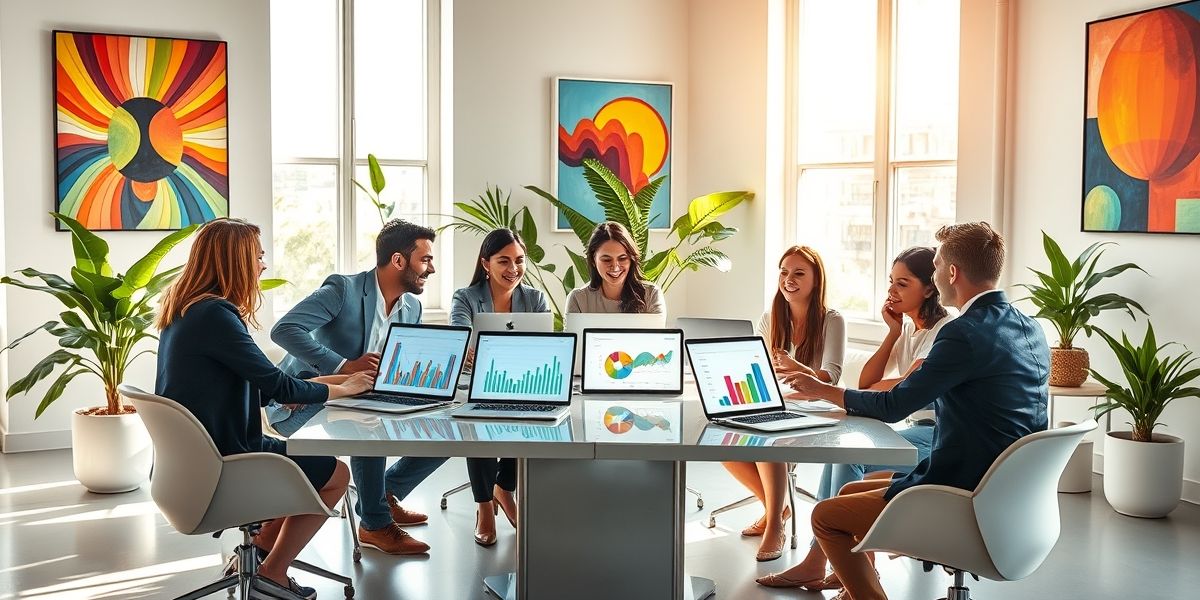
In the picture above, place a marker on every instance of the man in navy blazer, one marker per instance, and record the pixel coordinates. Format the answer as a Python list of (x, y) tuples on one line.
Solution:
[(987, 375), (339, 329)]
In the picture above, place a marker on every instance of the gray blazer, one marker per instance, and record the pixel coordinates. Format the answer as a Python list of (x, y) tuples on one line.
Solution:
[(334, 324), (469, 301)]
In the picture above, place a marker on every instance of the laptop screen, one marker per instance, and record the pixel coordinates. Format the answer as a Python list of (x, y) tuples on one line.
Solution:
[(623, 360), (422, 360), (523, 367), (734, 375)]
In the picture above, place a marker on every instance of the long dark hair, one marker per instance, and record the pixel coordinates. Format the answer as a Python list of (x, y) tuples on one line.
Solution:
[(633, 294), (919, 260), (782, 319), (493, 242)]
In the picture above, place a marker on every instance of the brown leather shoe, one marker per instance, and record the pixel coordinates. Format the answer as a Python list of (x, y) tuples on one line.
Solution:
[(403, 516), (391, 540)]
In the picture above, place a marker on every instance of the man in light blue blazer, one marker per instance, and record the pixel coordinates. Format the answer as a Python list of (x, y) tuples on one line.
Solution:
[(987, 375), (339, 329)]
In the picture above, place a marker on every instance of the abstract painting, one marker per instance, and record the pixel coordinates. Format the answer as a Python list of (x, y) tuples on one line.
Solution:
[(626, 125), (1141, 140), (140, 131)]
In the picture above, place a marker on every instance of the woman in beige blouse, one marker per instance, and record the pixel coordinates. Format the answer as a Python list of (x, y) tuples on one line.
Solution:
[(617, 284), (804, 335)]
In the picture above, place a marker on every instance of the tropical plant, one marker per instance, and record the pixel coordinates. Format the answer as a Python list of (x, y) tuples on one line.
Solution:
[(107, 314), (694, 232), (378, 183), (1155, 380), (1064, 295)]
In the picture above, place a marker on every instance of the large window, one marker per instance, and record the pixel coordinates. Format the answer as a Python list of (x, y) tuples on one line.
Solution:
[(348, 78), (874, 140)]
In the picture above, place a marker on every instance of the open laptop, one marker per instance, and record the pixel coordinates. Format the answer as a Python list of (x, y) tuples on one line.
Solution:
[(704, 327), (418, 369), (520, 375), (738, 387), (643, 361), (510, 322), (576, 322)]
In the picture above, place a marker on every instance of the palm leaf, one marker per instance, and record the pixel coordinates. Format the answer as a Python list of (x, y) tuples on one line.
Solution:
[(581, 225), (143, 270)]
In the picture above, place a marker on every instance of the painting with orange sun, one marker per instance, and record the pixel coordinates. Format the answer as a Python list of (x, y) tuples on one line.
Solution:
[(624, 124), (1141, 128), (140, 131)]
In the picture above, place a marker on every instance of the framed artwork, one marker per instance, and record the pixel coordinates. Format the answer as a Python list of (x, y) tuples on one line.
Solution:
[(624, 124), (140, 131), (1141, 127)]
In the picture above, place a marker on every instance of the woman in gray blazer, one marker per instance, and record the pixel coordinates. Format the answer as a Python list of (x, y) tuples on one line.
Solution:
[(496, 286)]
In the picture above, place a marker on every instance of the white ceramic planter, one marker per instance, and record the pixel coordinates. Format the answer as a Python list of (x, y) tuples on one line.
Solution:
[(110, 453), (1143, 479)]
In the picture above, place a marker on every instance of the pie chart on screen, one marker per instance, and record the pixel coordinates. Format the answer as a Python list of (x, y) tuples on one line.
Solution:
[(618, 419), (618, 365)]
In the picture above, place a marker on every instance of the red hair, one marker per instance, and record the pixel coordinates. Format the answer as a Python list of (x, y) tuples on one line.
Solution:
[(223, 263)]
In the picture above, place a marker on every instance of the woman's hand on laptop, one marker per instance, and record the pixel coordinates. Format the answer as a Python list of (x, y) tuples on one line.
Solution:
[(354, 384)]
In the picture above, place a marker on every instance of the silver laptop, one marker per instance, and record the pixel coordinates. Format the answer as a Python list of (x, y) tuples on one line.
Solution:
[(520, 375), (577, 322), (632, 361), (418, 369), (510, 322), (703, 327), (738, 387)]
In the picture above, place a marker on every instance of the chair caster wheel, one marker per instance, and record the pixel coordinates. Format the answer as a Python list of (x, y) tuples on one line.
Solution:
[(349, 591), (712, 522), (357, 555), (443, 504), (699, 503)]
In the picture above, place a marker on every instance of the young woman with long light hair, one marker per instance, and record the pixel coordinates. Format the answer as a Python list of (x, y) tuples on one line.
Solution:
[(208, 362)]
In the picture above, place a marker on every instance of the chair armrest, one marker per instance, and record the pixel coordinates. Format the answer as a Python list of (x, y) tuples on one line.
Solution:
[(258, 486), (934, 523)]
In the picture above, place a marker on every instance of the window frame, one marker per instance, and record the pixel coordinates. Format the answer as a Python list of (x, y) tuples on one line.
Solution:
[(345, 164), (869, 329)]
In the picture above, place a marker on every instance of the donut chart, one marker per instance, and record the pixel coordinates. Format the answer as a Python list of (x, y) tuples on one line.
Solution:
[(618, 365), (618, 419)]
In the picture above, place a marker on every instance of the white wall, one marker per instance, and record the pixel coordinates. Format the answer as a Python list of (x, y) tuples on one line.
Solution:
[(27, 108), (1046, 150), (505, 56)]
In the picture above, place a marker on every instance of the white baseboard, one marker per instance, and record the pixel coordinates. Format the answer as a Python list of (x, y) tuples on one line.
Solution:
[(36, 440), (1191, 489)]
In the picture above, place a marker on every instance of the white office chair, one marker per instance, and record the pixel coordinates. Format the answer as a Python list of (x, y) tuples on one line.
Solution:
[(1002, 530), (199, 491)]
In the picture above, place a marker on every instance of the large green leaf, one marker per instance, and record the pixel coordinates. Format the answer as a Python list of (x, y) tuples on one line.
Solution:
[(529, 231), (48, 326), (377, 180), (705, 209), (616, 201), (568, 280), (581, 225), (67, 298), (1060, 267), (644, 198), (143, 270), (56, 389), (160, 282), (91, 251), (654, 267), (78, 337), (40, 371), (708, 257), (270, 283), (98, 288), (581, 266)]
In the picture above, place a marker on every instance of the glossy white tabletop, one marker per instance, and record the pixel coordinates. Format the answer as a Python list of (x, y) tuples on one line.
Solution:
[(632, 427)]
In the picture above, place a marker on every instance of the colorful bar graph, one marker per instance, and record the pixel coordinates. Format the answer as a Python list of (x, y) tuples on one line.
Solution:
[(738, 439), (545, 380), (752, 390), (433, 377)]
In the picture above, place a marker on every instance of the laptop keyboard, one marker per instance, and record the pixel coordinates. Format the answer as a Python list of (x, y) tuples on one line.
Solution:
[(515, 407), (389, 399), (767, 417)]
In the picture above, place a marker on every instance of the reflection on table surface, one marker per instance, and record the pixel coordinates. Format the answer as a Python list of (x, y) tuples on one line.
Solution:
[(629, 421)]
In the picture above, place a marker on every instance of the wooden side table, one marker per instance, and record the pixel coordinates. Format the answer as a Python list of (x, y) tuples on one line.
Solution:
[(1089, 389)]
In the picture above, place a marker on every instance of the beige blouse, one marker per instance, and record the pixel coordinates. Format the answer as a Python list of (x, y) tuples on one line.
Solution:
[(587, 300), (832, 350)]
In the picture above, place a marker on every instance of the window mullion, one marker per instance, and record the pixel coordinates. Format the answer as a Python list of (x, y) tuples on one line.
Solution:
[(346, 194), (884, 70)]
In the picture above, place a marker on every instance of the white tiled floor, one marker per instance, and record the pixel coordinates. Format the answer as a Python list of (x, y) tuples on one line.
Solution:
[(59, 542)]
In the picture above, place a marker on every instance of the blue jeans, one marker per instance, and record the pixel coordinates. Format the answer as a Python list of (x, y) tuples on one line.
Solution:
[(370, 476), (833, 477)]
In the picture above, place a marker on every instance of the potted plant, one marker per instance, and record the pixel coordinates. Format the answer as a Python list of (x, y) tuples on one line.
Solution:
[(107, 315), (1064, 297), (691, 238), (1143, 470)]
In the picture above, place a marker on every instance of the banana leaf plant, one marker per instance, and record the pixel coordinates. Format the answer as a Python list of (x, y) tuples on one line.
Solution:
[(1064, 295), (691, 238), (1155, 380), (106, 315)]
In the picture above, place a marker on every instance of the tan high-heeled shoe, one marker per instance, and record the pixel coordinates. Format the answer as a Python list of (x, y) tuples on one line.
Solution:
[(512, 518), (757, 528), (485, 538), (771, 553)]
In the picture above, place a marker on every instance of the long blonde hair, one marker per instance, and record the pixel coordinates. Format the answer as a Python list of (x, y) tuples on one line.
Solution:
[(782, 318), (223, 263)]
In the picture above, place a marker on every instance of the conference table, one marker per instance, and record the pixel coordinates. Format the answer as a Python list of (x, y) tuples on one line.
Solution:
[(602, 492)]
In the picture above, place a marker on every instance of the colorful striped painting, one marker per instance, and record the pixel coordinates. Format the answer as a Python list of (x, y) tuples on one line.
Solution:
[(141, 140)]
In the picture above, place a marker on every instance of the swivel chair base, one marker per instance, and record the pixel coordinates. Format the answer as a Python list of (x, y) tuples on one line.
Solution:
[(243, 580), (958, 591)]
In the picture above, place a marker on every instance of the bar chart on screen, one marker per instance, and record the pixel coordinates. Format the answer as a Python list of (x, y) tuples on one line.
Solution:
[(418, 368), (544, 379), (748, 389)]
